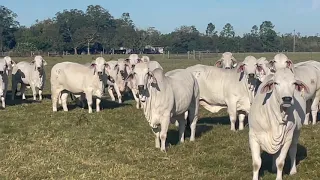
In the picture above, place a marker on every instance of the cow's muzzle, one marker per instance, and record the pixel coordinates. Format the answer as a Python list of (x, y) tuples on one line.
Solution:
[(287, 101), (228, 68), (39, 68), (251, 75), (99, 73), (1, 72), (140, 88)]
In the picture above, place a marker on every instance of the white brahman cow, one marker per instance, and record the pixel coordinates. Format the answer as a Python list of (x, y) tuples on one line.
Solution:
[(308, 72), (77, 79), (275, 120), (29, 74), (167, 99), (3, 81), (232, 89)]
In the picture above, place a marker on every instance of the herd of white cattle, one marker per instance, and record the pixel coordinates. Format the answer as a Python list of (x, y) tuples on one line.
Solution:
[(276, 95)]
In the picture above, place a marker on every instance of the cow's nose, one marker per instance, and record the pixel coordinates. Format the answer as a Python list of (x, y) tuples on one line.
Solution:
[(39, 68), (99, 73), (228, 68), (251, 75), (140, 88), (287, 99), (121, 71), (1, 72)]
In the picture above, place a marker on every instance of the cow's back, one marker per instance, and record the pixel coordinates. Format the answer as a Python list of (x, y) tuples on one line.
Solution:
[(72, 76)]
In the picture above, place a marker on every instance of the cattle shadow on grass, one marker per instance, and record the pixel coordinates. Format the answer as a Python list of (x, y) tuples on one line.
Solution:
[(105, 104), (267, 161), (173, 134)]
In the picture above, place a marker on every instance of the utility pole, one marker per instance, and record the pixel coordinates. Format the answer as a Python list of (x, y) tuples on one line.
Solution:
[(294, 40)]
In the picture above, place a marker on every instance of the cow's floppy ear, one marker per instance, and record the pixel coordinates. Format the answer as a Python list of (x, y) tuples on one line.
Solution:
[(260, 69), (234, 64), (93, 65), (13, 63), (129, 77), (151, 76), (301, 86), (268, 87), (290, 65), (241, 68), (116, 67), (219, 63), (44, 62)]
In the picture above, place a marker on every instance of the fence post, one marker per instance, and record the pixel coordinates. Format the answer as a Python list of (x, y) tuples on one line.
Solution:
[(31, 54), (168, 54), (188, 54), (194, 54), (48, 54), (199, 55)]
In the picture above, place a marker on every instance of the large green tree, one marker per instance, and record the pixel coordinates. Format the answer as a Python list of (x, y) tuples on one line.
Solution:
[(8, 25)]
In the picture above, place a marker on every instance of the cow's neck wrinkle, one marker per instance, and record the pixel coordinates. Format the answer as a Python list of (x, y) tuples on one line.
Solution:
[(277, 124)]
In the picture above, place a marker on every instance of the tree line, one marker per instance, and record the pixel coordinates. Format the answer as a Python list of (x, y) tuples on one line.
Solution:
[(96, 30)]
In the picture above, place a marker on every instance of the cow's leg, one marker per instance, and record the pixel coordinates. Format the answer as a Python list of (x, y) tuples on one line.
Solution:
[(232, 111), (134, 93), (40, 94), (193, 118), (281, 159), (34, 92), (23, 90), (293, 152), (110, 91), (156, 132), (314, 109), (82, 98), (256, 158), (55, 95), (116, 88), (182, 127), (3, 100), (98, 101), (59, 99), (165, 121), (13, 89), (89, 101), (308, 110), (241, 120), (64, 96)]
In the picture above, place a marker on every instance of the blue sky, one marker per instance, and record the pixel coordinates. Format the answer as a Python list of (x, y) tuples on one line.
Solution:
[(166, 15)]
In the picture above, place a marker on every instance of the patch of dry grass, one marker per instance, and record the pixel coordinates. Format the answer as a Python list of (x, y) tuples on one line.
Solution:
[(117, 143)]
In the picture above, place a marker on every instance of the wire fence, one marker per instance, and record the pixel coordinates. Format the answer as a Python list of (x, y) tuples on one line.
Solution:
[(196, 55)]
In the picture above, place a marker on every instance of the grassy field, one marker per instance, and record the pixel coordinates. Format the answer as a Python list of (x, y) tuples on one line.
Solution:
[(117, 143)]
